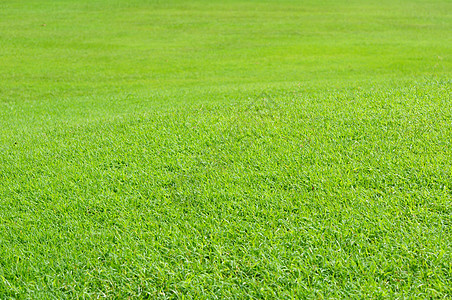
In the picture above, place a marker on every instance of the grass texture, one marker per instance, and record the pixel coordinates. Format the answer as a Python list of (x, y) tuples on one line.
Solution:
[(225, 149)]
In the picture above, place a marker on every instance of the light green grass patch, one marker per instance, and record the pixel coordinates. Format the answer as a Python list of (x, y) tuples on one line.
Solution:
[(242, 149)]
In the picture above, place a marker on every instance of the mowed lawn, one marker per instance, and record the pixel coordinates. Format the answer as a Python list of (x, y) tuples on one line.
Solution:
[(225, 149)]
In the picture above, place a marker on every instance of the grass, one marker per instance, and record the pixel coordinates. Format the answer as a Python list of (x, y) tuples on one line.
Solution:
[(239, 149)]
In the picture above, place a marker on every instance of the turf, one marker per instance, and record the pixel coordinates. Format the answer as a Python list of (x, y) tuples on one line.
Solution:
[(228, 149)]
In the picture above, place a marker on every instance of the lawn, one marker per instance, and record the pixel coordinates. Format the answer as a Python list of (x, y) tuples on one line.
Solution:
[(225, 149)]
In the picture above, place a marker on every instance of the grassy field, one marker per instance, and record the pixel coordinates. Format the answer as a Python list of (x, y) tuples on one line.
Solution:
[(225, 149)]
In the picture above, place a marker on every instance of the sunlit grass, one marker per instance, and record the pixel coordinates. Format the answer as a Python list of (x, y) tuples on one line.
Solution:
[(248, 149)]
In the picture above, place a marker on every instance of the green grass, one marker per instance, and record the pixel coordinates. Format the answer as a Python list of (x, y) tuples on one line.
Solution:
[(239, 149)]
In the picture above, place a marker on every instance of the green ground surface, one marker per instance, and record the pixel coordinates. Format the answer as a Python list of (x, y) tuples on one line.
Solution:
[(243, 149)]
